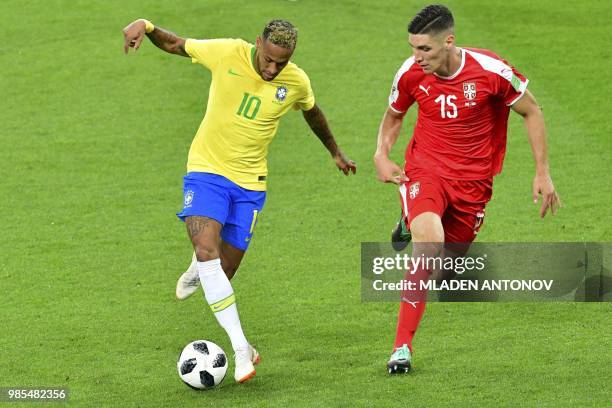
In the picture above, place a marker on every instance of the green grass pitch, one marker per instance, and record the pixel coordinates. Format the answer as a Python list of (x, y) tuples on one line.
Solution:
[(94, 145)]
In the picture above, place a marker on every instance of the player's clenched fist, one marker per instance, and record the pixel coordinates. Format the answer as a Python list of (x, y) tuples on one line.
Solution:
[(133, 35)]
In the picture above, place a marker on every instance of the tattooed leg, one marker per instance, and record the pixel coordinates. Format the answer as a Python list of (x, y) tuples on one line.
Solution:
[(204, 233)]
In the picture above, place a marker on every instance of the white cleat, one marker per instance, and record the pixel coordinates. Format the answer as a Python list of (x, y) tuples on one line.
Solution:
[(245, 364), (189, 281)]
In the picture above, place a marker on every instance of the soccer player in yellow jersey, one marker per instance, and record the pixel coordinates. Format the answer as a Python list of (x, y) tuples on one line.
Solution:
[(224, 189)]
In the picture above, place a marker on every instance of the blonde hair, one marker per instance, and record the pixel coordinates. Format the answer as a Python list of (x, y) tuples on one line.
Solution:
[(281, 33)]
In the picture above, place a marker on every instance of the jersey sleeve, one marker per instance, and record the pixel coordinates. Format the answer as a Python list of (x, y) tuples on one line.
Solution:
[(208, 52), (401, 98), (307, 99), (512, 85)]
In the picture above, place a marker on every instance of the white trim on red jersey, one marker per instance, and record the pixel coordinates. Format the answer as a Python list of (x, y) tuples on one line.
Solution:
[(458, 70), (500, 68), (522, 90), (395, 110), (394, 91), (402, 191)]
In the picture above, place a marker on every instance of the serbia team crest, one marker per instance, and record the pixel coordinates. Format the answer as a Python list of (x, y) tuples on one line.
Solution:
[(469, 90), (414, 190), (281, 93)]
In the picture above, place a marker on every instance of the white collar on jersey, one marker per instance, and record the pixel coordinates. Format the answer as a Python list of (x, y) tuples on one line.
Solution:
[(458, 70)]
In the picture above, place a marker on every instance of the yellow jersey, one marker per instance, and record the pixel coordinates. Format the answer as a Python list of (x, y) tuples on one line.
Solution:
[(243, 111)]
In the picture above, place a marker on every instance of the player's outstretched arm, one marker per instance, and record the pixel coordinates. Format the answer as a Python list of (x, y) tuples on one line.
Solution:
[(318, 123), (528, 108), (134, 34), (388, 132)]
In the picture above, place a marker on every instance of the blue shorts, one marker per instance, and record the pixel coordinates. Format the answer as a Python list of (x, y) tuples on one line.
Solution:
[(214, 196)]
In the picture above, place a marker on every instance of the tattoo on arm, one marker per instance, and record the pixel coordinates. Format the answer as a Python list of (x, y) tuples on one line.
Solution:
[(318, 123), (168, 41)]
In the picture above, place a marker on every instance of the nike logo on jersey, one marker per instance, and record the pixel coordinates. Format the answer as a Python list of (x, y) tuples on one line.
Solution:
[(233, 73), (422, 88)]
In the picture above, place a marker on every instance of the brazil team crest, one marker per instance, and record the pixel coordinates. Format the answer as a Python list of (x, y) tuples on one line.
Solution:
[(469, 90), (188, 198), (281, 93)]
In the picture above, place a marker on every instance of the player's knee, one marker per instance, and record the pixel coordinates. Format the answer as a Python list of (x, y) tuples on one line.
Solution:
[(427, 234), (206, 252), (427, 227)]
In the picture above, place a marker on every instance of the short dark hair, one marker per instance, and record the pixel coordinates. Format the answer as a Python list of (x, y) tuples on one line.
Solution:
[(432, 19), (281, 33)]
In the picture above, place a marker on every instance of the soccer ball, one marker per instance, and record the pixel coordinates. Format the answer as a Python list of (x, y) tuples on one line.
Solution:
[(202, 364)]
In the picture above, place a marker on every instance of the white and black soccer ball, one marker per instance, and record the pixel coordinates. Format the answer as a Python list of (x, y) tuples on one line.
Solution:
[(202, 364)]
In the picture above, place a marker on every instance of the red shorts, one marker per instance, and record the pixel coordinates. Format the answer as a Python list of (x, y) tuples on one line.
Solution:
[(459, 203)]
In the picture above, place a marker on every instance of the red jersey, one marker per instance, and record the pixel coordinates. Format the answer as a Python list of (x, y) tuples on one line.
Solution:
[(462, 121)]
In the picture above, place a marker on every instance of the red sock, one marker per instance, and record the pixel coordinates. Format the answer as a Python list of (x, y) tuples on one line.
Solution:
[(410, 315), (411, 311)]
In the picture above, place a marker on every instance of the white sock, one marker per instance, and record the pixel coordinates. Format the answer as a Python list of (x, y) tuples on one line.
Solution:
[(220, 296)]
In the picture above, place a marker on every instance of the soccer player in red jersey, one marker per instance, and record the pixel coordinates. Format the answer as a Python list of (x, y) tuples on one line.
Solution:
[(464, 96)]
